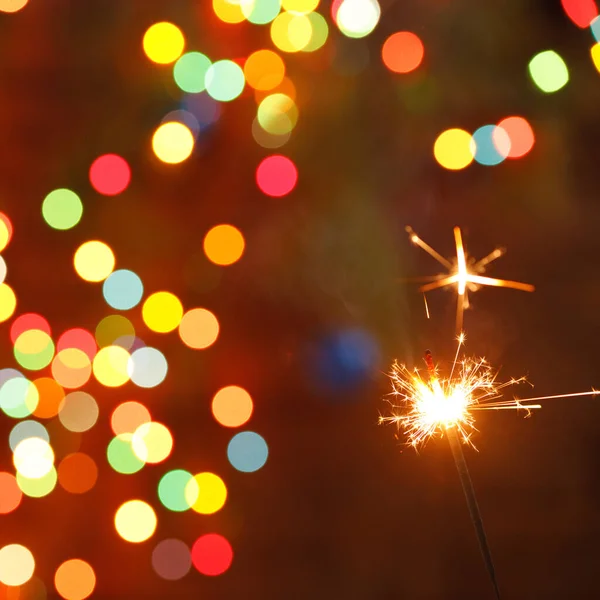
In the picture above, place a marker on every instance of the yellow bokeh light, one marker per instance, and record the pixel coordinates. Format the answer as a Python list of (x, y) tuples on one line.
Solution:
[(8, 302), (172, 142), (94, 261), (110, 366), (595, 52), (277, 114), (152, 442), (75, 579), (162, 312), (224, 245), (11, 6), (229, 11), (135, 521), (232, 406), (16, 565), (199, 328), (206, 493), (33, 458), (453, 149), (302, 7), (163, 43), (291, 32)]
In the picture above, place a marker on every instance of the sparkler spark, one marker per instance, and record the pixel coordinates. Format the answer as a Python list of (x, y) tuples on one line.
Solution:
[(464, 272)]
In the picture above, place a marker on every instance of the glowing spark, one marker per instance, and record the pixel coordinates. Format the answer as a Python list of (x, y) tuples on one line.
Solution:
[(426, 405), (464, 272)]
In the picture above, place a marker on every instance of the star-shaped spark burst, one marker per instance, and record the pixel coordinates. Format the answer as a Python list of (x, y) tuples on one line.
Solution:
[(465, 272)]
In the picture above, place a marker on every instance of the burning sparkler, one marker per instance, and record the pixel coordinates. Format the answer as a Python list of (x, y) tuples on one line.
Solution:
[(464, 272)]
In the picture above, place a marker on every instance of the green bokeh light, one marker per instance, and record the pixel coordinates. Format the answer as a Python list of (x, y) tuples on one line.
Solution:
[(62, 209), (171, 490), (190, 70), (548, 71), (225, 80), (121, 456), (261, 12)]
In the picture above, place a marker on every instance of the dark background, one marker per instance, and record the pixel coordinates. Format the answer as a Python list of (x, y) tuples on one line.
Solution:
[(341, 509)]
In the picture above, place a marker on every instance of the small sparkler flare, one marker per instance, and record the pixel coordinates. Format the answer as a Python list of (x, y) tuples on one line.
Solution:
[(464, 272)]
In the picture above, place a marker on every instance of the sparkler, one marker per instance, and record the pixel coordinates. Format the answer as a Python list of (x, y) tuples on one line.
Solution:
[(464, 272)]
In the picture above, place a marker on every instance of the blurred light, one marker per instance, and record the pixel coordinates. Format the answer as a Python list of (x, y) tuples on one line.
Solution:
[(128, 416), (147, 367), (190, 70), (10, 493), (521, 136), (152, 442), (264, 70), (548, 71), (260, 12), (38, 487), (120, 455), (277, 114), (581, 12), (24, 430), (71, 368), (112, 328), (300, 6), (62, 209), (18, 397), (491, 145), (199, 328), (163, 43), (123, 289), (50, 396), (228, 11), (2, 269), (402, 52), (453, 149), (212, 554), (268, 140), (33, 458), (11, 6), (110, 366), (74, 579), (320, 32), (162, 312), (224, 80), (26, 322), (595, 27), (232, 406), (16, 565), (186, 117), (110, 174), (210, 492), (291, 32), (94, 261), (595, 52), (34, 349), (78, 412), (77, 473), (173, 491), (247, 451), (224, 245), (8, 302), (135, 521), (358, 18), (276, 175), (172, 142), (171, 559), (6, 230), (78, 338)]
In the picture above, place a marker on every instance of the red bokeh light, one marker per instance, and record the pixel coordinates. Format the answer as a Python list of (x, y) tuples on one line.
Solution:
[(276, 175), (212, 554), (110, 174)]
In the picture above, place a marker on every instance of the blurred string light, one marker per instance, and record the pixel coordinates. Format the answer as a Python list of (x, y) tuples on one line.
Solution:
[(38, 487), (62, 209), (28, 321), (110, 366), (18, 397), (162, 312), (491, 145), (110, 174), (357, 18), (74, 579), (123, 289), (520, 134), (171, 559), (8, 302), (120, 455), (232, 406), (595, 53), (228, 11), (11, 6), (595, 28), (78, 411), (135, 521), (163, 43), (276, 175), (199, 328), (277, 114), (453, 149), (94, 261), (224, 245), (173, 491), (402, 52), (291, 32), (77, 473), (71, 368), (3, 270), (34, 349), (247, 451), (115, 329), (172, 142), (50, 397), (264, 70), (212, 554), (10, 493), (260, 12), (24, 430), (78, 338), (147, 367), (33, 458), (190, 71), (206, 493), (548, 71), (16, 565), (6, 231), (224, 80), (581, 12), (128, 416), (152, 442)]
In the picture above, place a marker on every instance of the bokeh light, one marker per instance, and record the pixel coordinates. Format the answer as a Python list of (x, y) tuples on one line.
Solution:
[(595, 52), (128, 416), (121, 457), (163, 43), (6, 231), (291, 32), (199, 328), (224, 80), (11, 6), (123, 289), (548, 71), (491, 145), (268, 140), (320, 32), (8, 302), (171, 559), (74, 579), (38, 487), (110, 174), (300, 6), (26, 322), (135, 521), (71, 368), (358, 18), (209, 491), (78, 338), (3, 270), (276, 175), (113, 328), (247, 451), (62, 209), (162, 312), (521, 135), (172, 142), (34, 349), (402, 52), (228, 11), (16, 565), (147, 367), (260, 12), (77, 473), (94, 261), (581, 12), (152, 442), (595, 28), (33, 458), (19, 397), (110, 366), (224, 244), (78, 412), (277, 114), (232, 406), (264, 70), (27, 429), (50, 396), (10, 493), (453, 149), (174, 492), (212, 554), (190, 70)]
